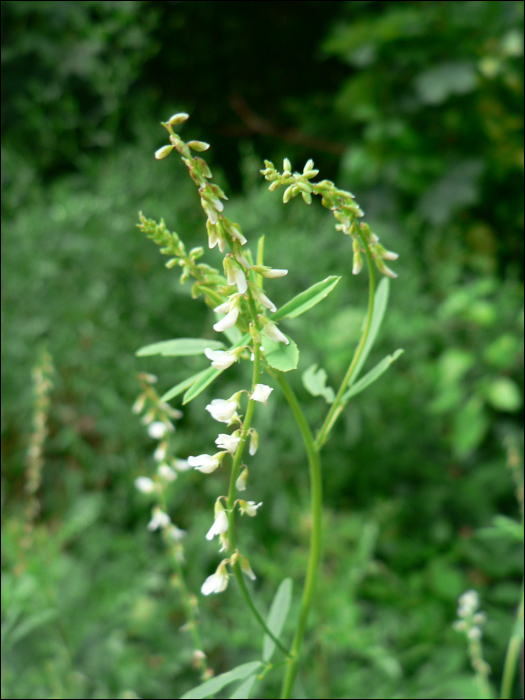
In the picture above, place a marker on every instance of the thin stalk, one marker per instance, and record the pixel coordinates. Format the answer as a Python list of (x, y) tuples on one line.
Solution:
[(315, 536), (230, 507), (337, 406), (511, 657), (192, 624)]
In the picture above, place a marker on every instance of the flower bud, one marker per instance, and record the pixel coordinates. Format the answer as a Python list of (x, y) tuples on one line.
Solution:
[(163, 152), (178, 118), (240, 484), (198, 145)]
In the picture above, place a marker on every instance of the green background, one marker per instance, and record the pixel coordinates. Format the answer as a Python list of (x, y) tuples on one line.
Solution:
[(417, 108)]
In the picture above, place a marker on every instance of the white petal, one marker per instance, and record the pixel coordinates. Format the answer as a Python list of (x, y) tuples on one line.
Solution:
[(144, 484), (261, 393), (228, 321)]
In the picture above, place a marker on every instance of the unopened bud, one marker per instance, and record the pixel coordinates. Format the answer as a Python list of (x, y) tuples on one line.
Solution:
[(163, 152), (178, 118), (198, 145)]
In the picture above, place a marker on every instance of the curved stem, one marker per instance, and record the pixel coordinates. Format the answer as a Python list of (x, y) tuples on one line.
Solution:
[(315, 537), (230, 507), (337, 407), (511, 657)]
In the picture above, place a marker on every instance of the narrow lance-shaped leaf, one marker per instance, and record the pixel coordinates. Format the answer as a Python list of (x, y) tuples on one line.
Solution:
[(307, 299), (380, 304), (209, 688), (277, 616), (244, 690), (182, 386), (371, 376), (181, 347)]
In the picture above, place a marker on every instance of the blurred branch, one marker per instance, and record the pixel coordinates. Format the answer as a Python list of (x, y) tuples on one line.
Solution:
[(253, 123)]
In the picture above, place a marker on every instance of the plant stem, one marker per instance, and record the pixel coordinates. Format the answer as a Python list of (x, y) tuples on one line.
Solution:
[(511, 657), (230, 507), (337, 407), (315, 537)]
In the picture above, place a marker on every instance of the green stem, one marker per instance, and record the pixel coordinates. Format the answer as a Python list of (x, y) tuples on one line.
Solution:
[(230, 507), (192, 623), (315, 537), (511, 657), (337, 407)]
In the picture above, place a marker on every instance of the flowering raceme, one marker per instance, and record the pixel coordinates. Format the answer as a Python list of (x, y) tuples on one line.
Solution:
[(249, 322)]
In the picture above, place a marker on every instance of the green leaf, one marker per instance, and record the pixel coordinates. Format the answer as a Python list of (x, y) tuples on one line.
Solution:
[(280, 356), (503, 394), (305, 300), (380, 304), (203, 379), (314, 381), (243, 691), (181, 347), (182, 386), (277, 616), (508, 526), (206, 378), (209, 688), (374, 374)]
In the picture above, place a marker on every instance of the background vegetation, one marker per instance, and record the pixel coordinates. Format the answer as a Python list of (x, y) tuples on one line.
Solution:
[(417, 108)]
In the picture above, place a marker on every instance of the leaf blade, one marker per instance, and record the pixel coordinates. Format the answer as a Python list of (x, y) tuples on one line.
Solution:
[(182, 386), (307, 299), (243, 691), (277, 616), (179, 347), (380, 304), (373, 375), (283, 357), (209, 688), (314, 381)]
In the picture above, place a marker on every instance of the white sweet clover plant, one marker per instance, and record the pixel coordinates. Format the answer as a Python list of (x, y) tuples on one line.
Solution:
[(249, 331)]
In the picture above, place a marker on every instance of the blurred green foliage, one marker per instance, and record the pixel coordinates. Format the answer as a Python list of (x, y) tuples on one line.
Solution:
[(415, 107)]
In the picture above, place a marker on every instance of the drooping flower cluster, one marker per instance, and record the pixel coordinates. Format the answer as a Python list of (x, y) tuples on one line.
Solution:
[(345, 210), (158, 418)]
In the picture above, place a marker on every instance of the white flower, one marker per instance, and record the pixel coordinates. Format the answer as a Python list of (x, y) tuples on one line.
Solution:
[(474, 633), (220, 524), (263, 299), (235, 274), (181, 465), (249, 507), (223, 410), (227, 442), (261, 393), (254, 441), (206, 463), (231, 308), (274, 333), (468, 603), (145, 484), (240, 484), (176, 533), (157, 430), (217, 582), (269, 272), (167, 473), (225, 543), (160, 452), (247, 569), (220, 359), (159, 519)]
